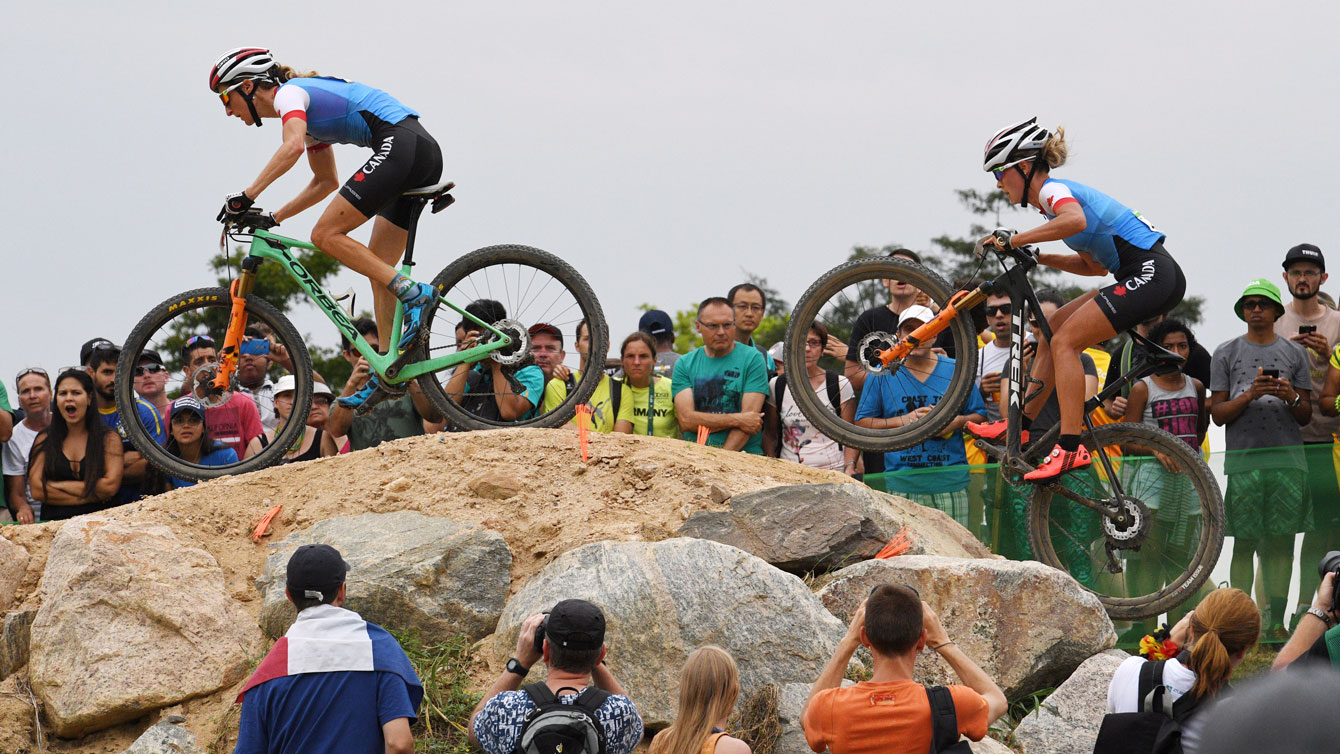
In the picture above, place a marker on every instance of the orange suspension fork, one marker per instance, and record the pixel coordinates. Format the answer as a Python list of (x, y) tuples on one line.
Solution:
[(237, 323), (959, 302)]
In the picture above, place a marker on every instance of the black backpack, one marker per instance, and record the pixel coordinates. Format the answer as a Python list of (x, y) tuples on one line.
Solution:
[(830, 386), (1156, 728), (944, 723), (554, 727)]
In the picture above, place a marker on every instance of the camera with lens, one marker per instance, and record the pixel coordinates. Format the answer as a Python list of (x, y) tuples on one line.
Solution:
[(1330, 563), (539, 630)]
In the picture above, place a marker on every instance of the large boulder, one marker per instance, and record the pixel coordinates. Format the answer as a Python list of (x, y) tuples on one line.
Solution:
[(167, 736), (406, 570), (1067, 721), (13, 564), (1026, 624), (663, 600), (822, 527), (132, 619)]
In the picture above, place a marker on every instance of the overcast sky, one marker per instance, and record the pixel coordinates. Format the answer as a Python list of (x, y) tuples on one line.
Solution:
[(661, 148)]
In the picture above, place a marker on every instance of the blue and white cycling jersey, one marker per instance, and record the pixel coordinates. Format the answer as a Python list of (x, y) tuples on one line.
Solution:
[(1106, 220), (334, 108)]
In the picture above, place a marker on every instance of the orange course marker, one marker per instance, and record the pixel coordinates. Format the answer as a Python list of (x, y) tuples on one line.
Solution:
[(900, 544), (262, 527), (702, 434), (583, 438)]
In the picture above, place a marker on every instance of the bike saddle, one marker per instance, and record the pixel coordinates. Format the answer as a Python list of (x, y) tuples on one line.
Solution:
[(1156, 355), (438, 194)]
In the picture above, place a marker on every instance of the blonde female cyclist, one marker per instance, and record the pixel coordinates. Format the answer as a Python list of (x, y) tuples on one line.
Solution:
[(1107, 237), (317, 111)]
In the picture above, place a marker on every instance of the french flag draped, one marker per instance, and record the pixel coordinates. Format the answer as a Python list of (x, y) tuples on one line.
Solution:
[(329, 639)]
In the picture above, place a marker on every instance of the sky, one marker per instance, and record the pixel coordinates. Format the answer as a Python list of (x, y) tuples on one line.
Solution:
[(663, 150)]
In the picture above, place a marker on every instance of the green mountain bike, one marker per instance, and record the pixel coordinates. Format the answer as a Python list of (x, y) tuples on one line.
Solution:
[(532, 286)]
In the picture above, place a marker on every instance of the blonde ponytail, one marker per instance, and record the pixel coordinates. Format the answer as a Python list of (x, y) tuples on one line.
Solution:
[(287, 72), (1225, 623), (1054, 151)]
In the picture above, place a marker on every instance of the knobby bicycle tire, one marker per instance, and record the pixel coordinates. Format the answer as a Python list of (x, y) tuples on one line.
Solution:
[(1044, 517), (576, 286), (810, 309), (156, 322)]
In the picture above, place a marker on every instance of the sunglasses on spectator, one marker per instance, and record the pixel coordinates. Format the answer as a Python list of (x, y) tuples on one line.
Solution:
[(719, 328), (140, 371), (814, 344), (1257, 303), (31, 370), (324, 400), (992, 311)]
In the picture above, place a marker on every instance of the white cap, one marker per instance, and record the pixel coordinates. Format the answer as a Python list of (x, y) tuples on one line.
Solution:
[(287, 384), (922, 313)]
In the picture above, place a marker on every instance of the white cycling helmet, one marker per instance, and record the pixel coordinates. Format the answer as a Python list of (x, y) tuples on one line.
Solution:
[(1015, 144), (243, 64)]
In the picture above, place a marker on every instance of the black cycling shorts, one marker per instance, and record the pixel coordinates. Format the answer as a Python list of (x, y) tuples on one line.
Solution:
[(1150, 283), (406, 158)]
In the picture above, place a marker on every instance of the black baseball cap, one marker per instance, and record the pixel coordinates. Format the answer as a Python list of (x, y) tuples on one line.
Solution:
[(1305, 252), (915, 257), (151, 356), (97, 344), (317, 568), (656, 323), (576, 624)]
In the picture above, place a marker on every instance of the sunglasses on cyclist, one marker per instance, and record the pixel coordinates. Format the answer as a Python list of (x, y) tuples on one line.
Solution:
[(140, 371), (999, 174)]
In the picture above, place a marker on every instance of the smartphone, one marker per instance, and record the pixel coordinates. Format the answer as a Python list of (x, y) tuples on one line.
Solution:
[(1274, 373), (1305, 329), (254, 347)]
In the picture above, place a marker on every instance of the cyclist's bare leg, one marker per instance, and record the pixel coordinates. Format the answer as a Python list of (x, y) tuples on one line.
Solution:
[(1085, 327), (1042, 360), (331, 235), (388, 245)]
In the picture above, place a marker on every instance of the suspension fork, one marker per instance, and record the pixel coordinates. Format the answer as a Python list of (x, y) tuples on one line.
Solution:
[(237, 323), (959, 302)]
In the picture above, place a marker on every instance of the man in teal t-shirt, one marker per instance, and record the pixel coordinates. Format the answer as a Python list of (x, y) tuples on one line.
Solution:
[(721, 385)]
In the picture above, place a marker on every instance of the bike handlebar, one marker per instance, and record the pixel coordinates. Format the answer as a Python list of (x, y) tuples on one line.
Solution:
[(253, 219)]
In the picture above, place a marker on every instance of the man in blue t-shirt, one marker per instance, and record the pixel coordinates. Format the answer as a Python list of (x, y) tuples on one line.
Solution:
[(99, 356), (573, 650), (722, 384), (905, 396), (333, 683)]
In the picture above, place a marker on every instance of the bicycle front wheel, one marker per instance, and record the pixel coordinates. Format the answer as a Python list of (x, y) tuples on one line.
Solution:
[(1170, 541), (522, 289), (850, 302), (166, 329)]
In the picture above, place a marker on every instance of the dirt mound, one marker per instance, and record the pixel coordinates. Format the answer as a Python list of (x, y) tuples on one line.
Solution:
[(531, 486)]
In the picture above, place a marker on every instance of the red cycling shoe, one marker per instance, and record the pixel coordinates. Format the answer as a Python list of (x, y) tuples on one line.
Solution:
[(992, 430), (1059, 462)]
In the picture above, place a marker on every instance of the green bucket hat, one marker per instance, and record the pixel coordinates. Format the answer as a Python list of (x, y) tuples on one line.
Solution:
[(1260, 287)]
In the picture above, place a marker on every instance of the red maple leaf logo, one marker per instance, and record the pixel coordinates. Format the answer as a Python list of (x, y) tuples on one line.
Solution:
[(1118, 291), (358, 176)]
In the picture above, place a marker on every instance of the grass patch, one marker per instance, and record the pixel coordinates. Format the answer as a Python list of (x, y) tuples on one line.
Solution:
[(444, 669), (1256, 663), (756, 723), (1003, 729)]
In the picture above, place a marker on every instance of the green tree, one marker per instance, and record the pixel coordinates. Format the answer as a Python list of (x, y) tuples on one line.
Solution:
[(278, 289)]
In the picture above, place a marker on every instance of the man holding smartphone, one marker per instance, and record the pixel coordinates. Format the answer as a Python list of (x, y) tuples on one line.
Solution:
[(1259, 392), (1316, 327)]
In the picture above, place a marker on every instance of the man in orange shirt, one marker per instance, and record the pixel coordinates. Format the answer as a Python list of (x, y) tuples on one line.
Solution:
[(891, 713)]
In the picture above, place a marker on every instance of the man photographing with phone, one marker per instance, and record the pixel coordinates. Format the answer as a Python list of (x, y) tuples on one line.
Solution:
[(1260, 392), (1316, 327)]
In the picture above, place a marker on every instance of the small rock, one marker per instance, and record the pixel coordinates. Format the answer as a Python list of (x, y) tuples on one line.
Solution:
[(686, 510), (14, 637), (399, 484), (646, 470), (718, 494), (167, 736), (579, 469), (498, 484)]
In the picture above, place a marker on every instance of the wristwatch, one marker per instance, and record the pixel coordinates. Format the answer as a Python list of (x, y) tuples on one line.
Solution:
[(514, 666), (1297, 399), (1314, 610)]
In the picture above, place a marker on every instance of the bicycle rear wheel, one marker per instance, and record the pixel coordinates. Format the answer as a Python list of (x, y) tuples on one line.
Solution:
[(530, 287), (1165, 554), (838, 301), (166, 329)]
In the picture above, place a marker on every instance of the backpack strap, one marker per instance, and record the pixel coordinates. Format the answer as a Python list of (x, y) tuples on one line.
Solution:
[(834, 391), (944, 720), (616, 393), (778, 390), (539, 693), (590, 699), (1152, 696)]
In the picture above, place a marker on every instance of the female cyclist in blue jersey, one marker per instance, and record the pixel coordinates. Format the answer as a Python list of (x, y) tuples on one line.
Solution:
[(1107, 238), (318, 111)]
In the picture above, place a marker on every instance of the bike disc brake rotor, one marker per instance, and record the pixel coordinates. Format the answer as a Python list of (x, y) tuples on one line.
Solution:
[(204, 390), (519, 347), (1127, 531), (867, 351)]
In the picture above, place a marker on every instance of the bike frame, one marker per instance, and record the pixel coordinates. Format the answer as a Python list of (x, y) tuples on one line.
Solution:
[(395, 368)]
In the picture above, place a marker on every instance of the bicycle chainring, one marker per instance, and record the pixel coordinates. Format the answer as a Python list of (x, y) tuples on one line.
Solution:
[(1130, 532), (867, 352), (204, 391), (517, 350)]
